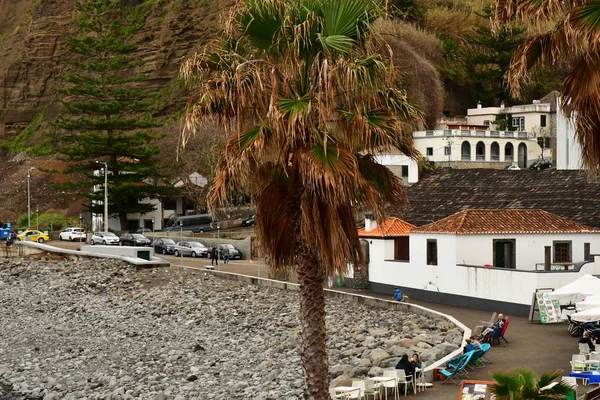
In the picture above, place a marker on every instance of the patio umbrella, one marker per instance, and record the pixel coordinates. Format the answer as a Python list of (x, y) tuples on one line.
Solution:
[(590, 315), (576, 291), (588, 303)]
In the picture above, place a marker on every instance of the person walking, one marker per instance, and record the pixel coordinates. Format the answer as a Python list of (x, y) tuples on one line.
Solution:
[(226, 254), (214, 256)]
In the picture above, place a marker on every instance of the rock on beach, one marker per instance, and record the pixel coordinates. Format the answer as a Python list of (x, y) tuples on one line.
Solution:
[(100, 329)]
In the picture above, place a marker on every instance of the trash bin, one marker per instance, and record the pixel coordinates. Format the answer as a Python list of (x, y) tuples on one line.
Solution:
[(144, 254), (340, 281)]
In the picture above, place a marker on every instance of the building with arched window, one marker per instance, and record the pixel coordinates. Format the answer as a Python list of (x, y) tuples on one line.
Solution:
[(492, 137)]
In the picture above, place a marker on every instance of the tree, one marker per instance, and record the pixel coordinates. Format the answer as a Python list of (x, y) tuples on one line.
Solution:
[(522, 384), (107, 115), (566, 35), (308, 92)]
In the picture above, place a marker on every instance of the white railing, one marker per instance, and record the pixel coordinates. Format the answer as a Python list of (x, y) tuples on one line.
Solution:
[(473, 132)]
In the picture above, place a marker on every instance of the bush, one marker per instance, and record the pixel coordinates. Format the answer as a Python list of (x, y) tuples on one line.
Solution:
[(49, 220)]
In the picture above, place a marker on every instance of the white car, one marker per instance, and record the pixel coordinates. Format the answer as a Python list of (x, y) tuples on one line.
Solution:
[(72, 234), (513, 168), (105, 238)]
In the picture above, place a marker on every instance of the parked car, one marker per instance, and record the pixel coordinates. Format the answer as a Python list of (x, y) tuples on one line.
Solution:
[(234, 253), (541, 164), (192, 249), (104, 238), (513, 168), (72, 234), (134, 239), (33, 236), (142, 230), (249, 221), (164, 246)]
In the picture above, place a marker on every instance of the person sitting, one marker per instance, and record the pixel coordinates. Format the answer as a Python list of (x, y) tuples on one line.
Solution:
[(499, 323), (416, 361), (586, 338), (469, 346), (476, 343), (398, 294), (495, 332), (407, 366)]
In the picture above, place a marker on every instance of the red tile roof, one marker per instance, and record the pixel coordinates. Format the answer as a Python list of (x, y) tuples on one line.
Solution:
[(392, 227), (484, 221)]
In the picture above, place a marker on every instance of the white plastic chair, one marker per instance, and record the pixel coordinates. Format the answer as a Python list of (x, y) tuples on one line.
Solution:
[(570, 381), (405, 380), (356, 394), (578, 366), (584, 348), (420, 384), (390, 384), (370, 389)]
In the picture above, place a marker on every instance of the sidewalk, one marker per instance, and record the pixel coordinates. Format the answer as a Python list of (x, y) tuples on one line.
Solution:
[(543, 348)]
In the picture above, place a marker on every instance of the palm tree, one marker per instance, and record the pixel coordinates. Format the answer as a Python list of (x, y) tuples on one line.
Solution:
[(567, 35), (522, 384), (306, 91)]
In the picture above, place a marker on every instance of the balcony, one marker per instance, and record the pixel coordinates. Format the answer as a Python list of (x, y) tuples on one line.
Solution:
[(476, 133), (480, 157)]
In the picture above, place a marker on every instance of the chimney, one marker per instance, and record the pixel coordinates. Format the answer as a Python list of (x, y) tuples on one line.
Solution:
[(370, 223), (479, 104), (502, 104)]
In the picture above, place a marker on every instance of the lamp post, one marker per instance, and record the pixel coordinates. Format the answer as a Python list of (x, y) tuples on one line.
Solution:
[(181, 240), (152, 224), (29, 198), (105, 194), (37, 217), (218, 240)]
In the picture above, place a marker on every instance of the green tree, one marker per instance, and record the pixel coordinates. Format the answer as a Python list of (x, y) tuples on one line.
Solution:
[(522, 384), (107, 113), (307, 90), (490, 58)]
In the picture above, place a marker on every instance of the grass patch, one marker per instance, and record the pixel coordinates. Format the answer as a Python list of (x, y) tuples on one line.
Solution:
[(19, 142)]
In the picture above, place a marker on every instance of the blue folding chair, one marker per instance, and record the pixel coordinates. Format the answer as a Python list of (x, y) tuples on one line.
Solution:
[(456, 368), (485, 347)]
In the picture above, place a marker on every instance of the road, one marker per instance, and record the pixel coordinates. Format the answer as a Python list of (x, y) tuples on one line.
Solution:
[(246, 267)]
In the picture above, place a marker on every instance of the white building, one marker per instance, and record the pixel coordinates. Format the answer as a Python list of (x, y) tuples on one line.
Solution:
[(403, 166), (478, 141), (163, 211), (568, 151), (492, 259)]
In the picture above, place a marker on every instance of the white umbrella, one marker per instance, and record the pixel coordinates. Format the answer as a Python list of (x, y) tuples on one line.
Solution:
[(591, 315), (576, 291), (588, 303)]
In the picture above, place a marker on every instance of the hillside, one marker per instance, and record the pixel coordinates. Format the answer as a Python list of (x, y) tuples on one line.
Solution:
[(434, 53)]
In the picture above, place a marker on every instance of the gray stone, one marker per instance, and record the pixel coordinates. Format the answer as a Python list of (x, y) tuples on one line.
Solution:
[(377, 355)]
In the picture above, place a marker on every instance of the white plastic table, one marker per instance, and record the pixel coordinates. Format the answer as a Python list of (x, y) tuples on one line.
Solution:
[(382, 379), (347, 390)]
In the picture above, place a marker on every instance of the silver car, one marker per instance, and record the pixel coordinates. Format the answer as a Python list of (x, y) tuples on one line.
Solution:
[(104, 238), (192, 249)]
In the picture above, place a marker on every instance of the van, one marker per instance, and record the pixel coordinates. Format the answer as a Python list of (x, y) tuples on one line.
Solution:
[(194, 223)]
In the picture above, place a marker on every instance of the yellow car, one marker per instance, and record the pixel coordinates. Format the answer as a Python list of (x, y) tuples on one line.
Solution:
[(31, 235)]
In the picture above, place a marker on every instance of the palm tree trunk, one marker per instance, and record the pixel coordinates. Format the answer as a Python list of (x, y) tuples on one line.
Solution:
[(313, 350)]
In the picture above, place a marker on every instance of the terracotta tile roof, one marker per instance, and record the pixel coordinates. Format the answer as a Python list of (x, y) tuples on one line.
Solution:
[(485, 221), (392, 227), (568, 193)]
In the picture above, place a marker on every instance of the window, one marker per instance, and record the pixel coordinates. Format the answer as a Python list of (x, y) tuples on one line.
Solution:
[(562, 252), (543, 121), (504, 253), (405, 171), (447, 150), (401, 249), (519, 123), (486, 122), (429, 151), (432, 252)]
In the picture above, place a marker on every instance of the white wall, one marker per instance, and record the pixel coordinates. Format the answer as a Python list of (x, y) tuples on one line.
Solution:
[(568, 151), (400, 160), (438, 143), (498, 284), (478, 249)]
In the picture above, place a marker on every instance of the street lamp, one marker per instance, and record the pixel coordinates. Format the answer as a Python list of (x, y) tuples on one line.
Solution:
[(29, 198), (152, 224), (105, 194), (37, 217)]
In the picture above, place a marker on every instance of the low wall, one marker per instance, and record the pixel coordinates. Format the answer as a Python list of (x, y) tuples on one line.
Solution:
[(362, 299)]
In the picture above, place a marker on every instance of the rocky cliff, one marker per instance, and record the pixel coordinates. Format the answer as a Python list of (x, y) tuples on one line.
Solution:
[(32, 45)]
